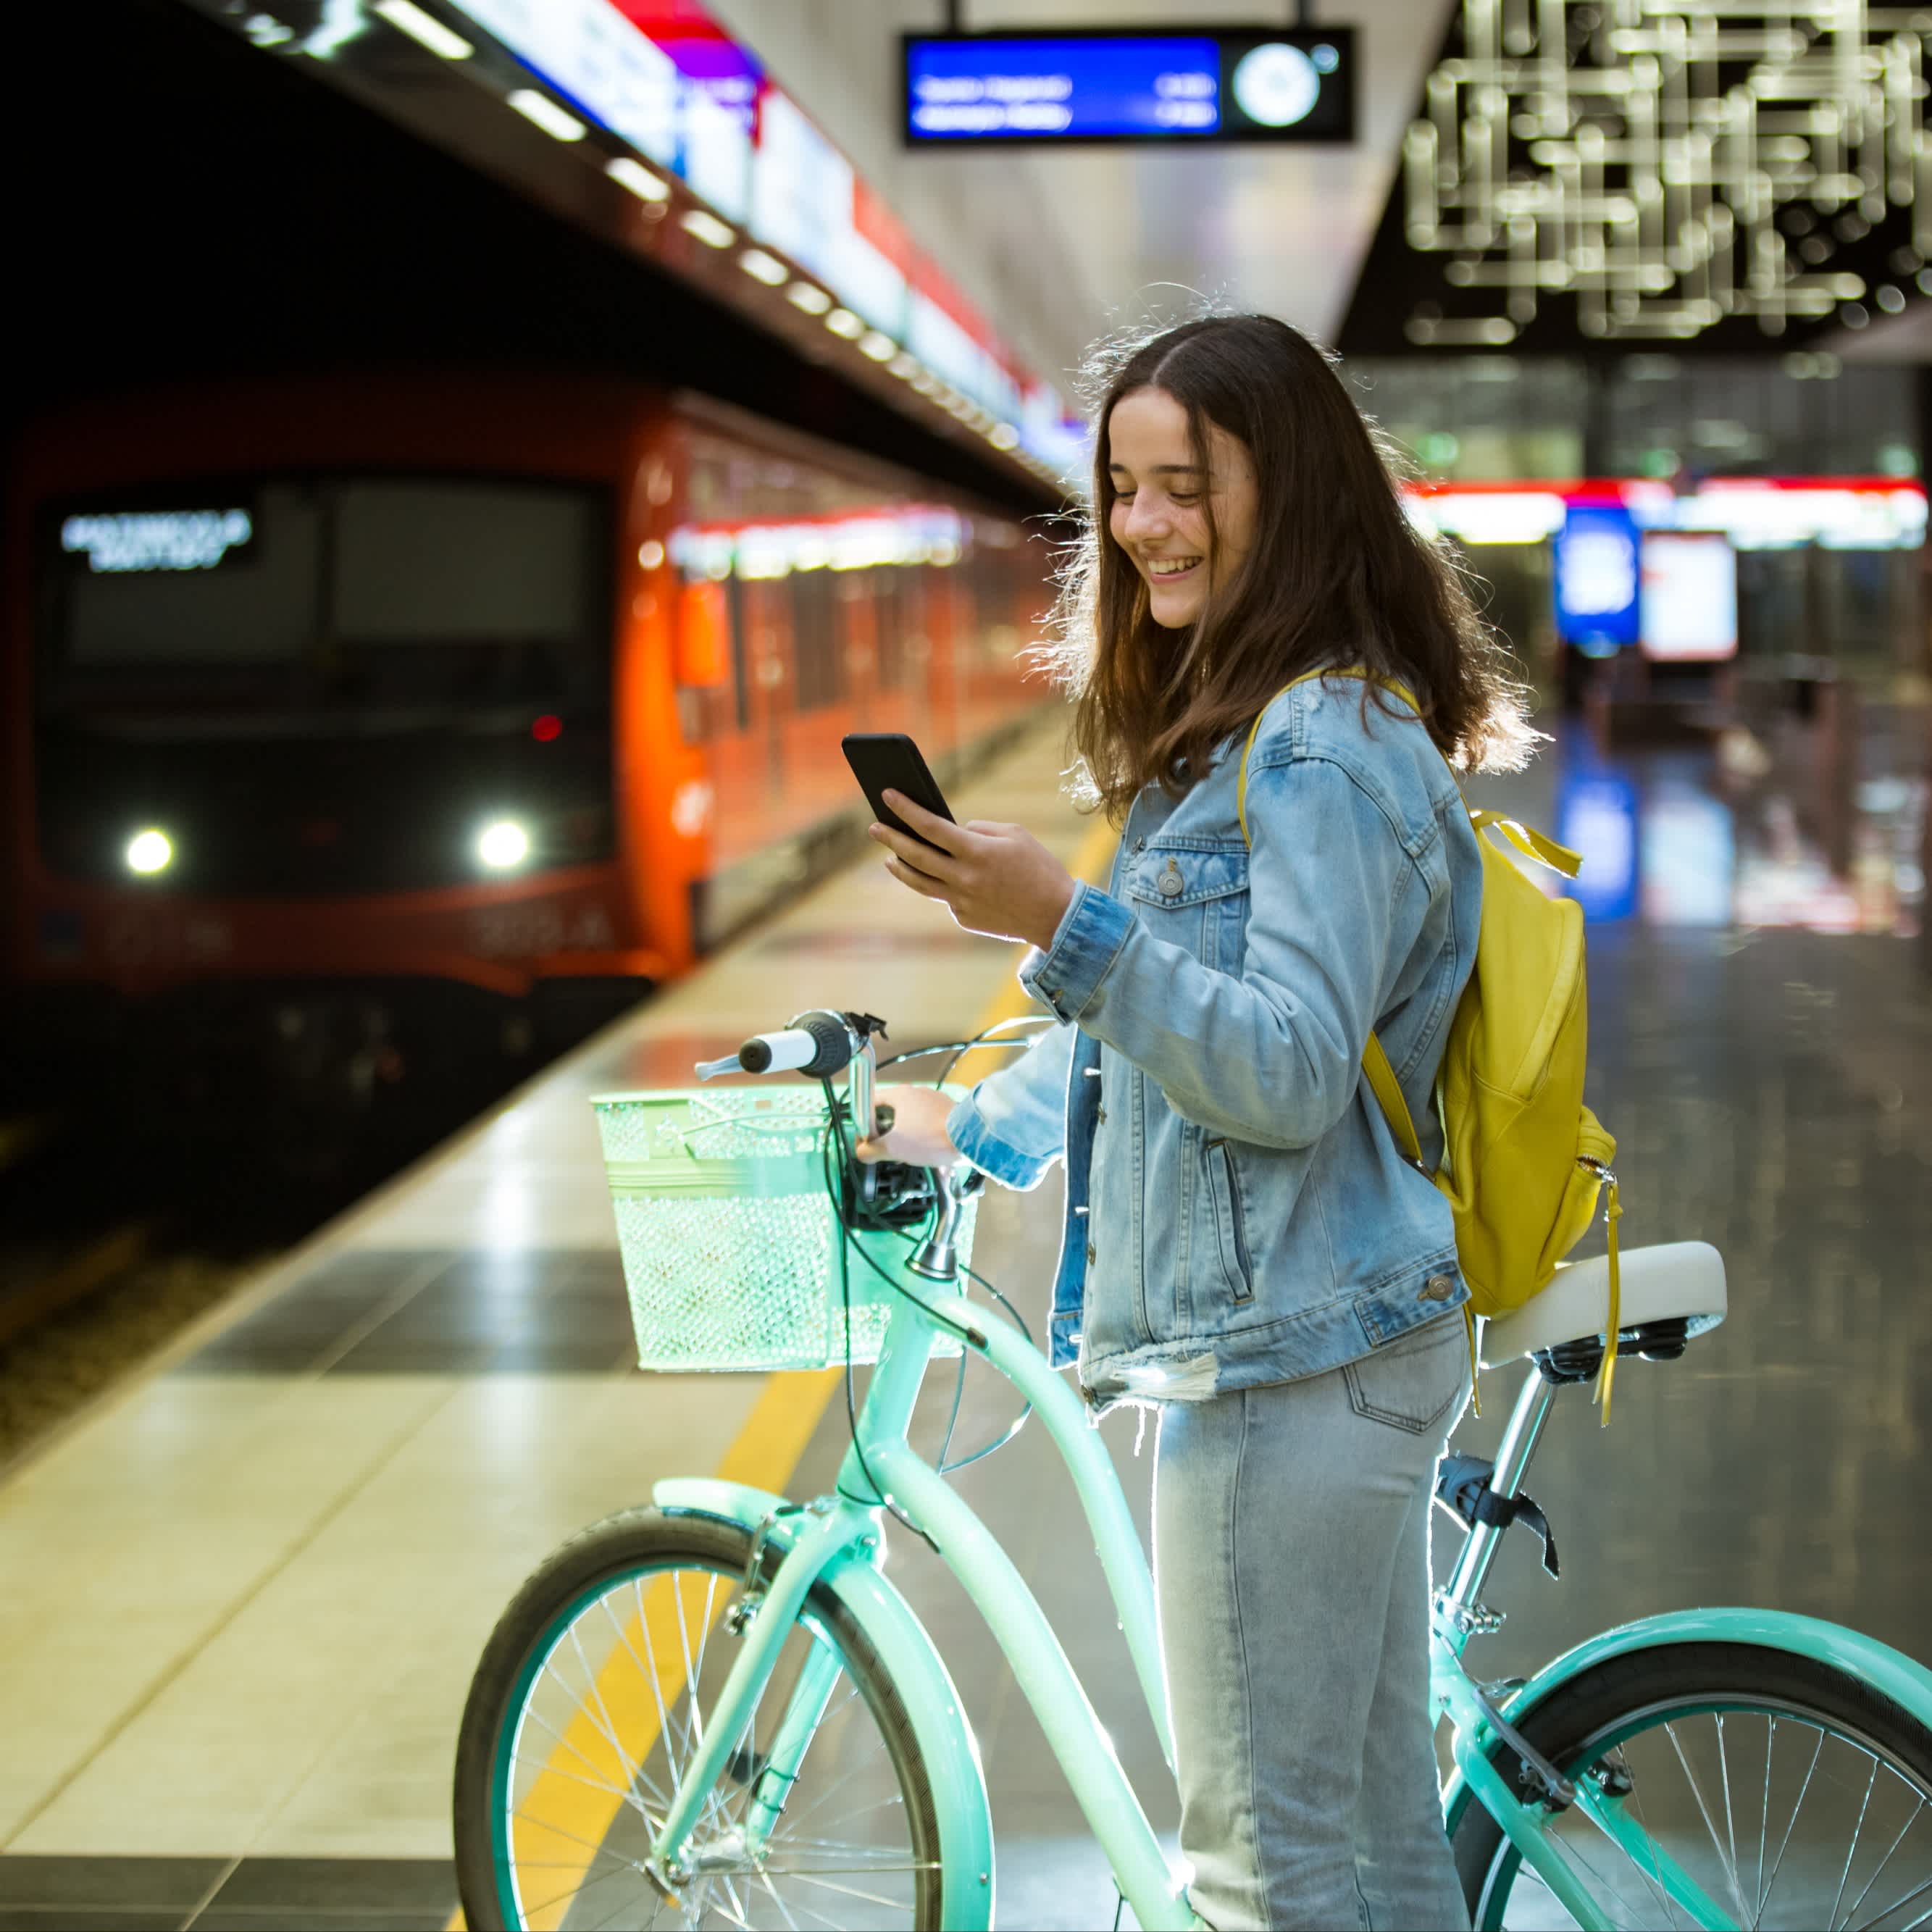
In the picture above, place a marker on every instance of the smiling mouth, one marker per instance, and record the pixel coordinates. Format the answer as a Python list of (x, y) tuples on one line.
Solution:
[(1163, 568)]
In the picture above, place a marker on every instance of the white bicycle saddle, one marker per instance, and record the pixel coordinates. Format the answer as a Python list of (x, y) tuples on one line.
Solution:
[(1674, 1281)]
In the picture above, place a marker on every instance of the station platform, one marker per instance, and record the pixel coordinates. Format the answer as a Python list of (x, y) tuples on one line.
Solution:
[(243, 1600)]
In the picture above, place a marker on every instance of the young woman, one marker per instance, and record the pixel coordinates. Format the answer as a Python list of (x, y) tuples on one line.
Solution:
[(1245, 1247)]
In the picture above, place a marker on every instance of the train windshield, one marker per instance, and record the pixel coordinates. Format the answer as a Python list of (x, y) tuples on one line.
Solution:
[(337, 600)]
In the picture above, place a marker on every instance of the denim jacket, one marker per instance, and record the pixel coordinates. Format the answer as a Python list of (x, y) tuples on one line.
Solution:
[(1238, 1212)]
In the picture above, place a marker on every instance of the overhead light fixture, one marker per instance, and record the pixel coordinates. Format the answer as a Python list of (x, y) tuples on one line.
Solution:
[(843, 321), (1003, 436), (876, 343), (806, 295), (149, 852), (904, 365), (763, 268), (638, 178), (1670, 172), (706, 226), (542, 111), (423, 29)]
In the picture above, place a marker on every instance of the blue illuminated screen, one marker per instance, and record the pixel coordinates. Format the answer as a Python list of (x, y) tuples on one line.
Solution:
[(1597, 579), (1250, 85)]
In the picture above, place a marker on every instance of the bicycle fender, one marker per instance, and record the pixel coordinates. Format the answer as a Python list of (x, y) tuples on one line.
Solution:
[(1890, 1673), (945, 1731)]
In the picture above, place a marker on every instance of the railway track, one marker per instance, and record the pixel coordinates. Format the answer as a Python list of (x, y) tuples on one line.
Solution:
[(103, 1263)]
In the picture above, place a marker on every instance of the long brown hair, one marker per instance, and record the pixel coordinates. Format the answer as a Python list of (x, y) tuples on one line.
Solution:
[(1336, 575)]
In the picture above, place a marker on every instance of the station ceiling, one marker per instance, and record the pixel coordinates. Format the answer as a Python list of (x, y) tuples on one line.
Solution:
[(1061, 244), (1764, 105)]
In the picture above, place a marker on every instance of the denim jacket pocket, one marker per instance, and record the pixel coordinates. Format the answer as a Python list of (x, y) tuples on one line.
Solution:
[(1231, 1225), (1195, 895), (1412, 1382)]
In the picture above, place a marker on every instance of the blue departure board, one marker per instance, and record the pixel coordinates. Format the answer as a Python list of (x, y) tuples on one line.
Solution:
[(1234, 84)]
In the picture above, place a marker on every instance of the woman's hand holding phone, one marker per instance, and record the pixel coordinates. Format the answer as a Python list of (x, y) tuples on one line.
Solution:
[(995, 879)]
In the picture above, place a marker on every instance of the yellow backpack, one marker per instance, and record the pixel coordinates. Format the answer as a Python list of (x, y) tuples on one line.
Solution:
[(1523, 1160)]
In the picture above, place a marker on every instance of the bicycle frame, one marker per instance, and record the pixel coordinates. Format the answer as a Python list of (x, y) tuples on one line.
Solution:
[(838, 1540), (838, 1529)]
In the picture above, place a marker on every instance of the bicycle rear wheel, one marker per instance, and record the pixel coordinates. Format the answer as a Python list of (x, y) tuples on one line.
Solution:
[(1791, 1793), (590, 1697)]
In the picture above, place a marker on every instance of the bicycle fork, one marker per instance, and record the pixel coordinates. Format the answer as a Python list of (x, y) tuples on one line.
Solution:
[(773, 1612)]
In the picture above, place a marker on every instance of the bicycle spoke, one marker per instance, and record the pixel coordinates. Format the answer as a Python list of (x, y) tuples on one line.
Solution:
[(1790, 1827), (848, 1871), (735, 1912), (562, 1743), (1884, 1861), (1730, 1827), (657, 1687), (684, 1638), (845, 1848), (848, 1890), (773, 1890), (1710, 1823), (1654, 1878), (609, 1726), (1918, 1891), (1574, 1852), (1858, 1832), (800, 1905), (819, 1804), (577, 1891), (1764, 1817), (570, 1776)]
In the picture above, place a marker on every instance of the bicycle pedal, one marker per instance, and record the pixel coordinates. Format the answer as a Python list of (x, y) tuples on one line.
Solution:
[(745, 1766)]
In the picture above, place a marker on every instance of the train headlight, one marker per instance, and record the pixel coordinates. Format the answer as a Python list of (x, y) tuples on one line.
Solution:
[(503, 845), (150, 851)]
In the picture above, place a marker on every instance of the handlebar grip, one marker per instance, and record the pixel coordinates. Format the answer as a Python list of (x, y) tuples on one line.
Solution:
[(820, 1045)]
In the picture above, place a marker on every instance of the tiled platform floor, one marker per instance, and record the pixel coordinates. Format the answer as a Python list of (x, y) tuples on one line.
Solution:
[(254, 1589)]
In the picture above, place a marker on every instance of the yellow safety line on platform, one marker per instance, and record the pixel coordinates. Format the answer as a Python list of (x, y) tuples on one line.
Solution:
[(587, 1776)]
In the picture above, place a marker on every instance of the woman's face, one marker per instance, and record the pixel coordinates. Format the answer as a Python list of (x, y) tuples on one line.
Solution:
[(1159, 515)]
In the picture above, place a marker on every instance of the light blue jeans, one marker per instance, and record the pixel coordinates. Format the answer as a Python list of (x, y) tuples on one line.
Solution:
[(1291, 1558)]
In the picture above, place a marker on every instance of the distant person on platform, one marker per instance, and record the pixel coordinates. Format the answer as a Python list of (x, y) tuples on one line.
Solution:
[(1246, 1248)]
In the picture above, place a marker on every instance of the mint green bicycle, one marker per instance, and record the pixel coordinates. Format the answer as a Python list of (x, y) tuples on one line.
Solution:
[(719, 1711)]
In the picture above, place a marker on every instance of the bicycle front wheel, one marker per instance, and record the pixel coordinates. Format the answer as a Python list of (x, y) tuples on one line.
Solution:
[(590, 1698), (1792, 1795)]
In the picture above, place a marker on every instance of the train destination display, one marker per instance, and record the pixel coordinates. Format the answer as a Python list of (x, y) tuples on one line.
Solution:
[(1235, 84)]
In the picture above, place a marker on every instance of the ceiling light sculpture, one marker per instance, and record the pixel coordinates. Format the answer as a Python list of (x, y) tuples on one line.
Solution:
[(1668, 164)]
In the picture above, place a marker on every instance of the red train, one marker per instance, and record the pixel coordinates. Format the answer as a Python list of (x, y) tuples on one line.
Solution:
[(339, 707)]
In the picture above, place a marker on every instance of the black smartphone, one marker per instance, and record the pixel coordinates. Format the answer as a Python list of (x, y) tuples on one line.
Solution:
[(889, 759)]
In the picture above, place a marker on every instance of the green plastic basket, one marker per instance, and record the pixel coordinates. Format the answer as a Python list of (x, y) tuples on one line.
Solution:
[(729, 1243)]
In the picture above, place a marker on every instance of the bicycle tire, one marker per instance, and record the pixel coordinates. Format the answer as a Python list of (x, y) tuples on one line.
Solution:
[(629, 1544), (1626, 1697)]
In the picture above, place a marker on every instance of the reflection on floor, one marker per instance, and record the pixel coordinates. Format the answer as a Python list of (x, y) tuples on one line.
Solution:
[(1761, 1044), (1816, 823)]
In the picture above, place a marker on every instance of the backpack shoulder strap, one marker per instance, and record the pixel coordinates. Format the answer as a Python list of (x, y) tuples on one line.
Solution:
[(1388, 1090), (1531, 843)]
